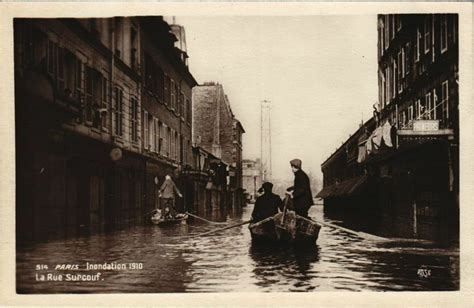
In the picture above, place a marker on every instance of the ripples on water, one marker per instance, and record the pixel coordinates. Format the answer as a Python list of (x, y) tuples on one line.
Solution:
[(228, 261)]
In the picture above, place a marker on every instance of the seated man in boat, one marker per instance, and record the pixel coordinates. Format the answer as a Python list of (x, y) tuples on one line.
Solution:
[(267, 204), (300, 192), (167, 194)]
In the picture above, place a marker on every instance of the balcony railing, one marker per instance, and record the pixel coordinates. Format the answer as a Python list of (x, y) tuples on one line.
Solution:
[(428, 119), (426, 125)]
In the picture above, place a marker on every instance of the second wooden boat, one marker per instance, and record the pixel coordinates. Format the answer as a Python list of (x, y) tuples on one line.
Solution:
[(162, 222)]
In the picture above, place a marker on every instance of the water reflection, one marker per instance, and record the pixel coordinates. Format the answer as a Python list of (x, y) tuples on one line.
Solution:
[(284, 266), (229, 261)]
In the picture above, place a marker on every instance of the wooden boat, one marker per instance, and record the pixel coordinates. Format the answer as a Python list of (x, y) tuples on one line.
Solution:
[(162, 222), (285, 227)]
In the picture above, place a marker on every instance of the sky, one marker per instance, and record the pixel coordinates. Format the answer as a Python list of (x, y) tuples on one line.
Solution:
[(319, 72)]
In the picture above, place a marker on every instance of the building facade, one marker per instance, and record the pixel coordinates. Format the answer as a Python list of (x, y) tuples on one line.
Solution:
[(410, 152), (251, 178), (418, 93), (166, 106), (217, 131), (95, 124), (348, 185), (209, 178)]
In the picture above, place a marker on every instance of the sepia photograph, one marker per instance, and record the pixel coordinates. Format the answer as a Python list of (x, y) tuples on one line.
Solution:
[(181, 153)]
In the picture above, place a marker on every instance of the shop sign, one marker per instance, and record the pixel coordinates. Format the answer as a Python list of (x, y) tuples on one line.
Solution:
[(425, 125)]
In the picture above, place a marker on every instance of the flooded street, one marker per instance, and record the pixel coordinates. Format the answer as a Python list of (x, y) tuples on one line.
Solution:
[(165, 260)]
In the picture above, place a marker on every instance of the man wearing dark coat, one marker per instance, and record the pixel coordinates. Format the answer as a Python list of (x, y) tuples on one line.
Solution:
[(267, 204), (300, 192)]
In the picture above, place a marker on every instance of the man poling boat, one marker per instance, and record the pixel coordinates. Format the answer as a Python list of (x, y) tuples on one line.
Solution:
[(285, 226), (300, 192), (293, 223), (167, 214)]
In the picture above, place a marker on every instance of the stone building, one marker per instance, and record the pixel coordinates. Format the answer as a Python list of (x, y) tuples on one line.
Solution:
[(89, 106), (166, 104), (409, 150), (217, 131), (418, 94)]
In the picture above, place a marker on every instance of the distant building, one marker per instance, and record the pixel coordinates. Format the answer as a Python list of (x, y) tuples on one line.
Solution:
[(251, 178), (402, 166), (217, 131)]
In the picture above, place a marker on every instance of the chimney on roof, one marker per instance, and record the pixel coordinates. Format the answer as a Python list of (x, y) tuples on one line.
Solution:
[(180, 34)]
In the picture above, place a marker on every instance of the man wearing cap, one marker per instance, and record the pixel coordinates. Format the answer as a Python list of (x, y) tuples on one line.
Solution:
[(267, 204), (300, 192)]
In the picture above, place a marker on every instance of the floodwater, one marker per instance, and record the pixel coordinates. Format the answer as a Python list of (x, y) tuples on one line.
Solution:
[(166, 260)]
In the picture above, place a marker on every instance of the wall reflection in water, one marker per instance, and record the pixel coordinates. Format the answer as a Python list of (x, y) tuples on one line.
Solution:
[(284, 265)]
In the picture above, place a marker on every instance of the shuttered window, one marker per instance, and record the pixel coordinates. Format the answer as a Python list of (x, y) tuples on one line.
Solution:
[(118, 112), (134, 119), (146, 139)]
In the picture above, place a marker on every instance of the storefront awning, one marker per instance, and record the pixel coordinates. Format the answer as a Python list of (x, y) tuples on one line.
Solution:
[(325, 192), (344, 189)]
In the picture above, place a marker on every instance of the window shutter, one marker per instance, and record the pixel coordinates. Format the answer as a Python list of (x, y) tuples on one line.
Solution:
[(157, 134), (103, 101), (151, 131), (121, 112), (132, 120), (145, 129), (88, 93)]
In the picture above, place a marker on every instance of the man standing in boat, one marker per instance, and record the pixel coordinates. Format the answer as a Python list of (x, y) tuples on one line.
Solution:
[(167, 194), (267, 204), (300, 192)]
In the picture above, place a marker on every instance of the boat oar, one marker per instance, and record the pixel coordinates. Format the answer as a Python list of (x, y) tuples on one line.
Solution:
[(208, 221), (284, 210), (357, 233), (224, 228)]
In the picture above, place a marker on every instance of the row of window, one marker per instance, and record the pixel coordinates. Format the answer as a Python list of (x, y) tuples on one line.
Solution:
[(437, 24), (105, 105), (166, 89), (429, 107), (388, 26), (157, 136), (126, 37), (392, 78), (89, 86), (161, 139), (75, 80), (126, 40), (428, 35)]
